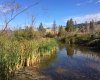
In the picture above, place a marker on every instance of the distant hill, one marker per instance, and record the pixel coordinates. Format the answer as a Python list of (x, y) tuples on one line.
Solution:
[(98, 22), (77, 25)]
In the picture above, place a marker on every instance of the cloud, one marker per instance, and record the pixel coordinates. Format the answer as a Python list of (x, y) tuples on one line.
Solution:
[(2, 26), (80, 4), (97, 1), (89, 1), (3, 9), (45, 25), (83, 18), (49, 24)]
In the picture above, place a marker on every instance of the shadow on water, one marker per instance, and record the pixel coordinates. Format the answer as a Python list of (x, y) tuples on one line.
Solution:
[(73, 62)]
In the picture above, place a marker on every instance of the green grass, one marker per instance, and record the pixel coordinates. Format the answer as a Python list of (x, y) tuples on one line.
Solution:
[(18, 54)]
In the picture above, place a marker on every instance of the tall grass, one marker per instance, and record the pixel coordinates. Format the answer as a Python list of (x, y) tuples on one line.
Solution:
[(15, 55)]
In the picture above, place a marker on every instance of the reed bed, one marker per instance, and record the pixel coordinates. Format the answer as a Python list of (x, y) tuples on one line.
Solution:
[(15, 55)]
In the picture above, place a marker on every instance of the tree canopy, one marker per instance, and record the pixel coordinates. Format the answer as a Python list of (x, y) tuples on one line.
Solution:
[(70, 26)]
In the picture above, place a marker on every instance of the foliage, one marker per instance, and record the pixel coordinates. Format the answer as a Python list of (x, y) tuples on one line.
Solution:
[(50, 35), (86, 27), (92, 26), (41, 30), (54, 27), (28, 33), (70, 26), (87, 39), (17, 54), (61, 31)]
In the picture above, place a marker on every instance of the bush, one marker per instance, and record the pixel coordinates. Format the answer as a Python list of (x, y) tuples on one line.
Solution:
[(49, 35)]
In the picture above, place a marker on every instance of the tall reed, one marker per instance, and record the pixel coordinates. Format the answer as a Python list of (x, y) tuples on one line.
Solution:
[(18, 54)]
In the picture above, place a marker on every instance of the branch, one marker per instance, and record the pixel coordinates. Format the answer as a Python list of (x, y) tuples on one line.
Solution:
[(20, 13)]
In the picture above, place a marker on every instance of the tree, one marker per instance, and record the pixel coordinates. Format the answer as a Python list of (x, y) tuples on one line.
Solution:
[(54, 27), (29, 33), (86, 27), (19, 34), (70, 26), (92, 26), (61, 31), (41, 30), (31, 18), (10, 10)]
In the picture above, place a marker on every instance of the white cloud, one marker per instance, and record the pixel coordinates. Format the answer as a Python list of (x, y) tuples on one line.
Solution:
[(3, 9), (83, 18), (49, 24), (89, 1), (97, 2), (80, 4)]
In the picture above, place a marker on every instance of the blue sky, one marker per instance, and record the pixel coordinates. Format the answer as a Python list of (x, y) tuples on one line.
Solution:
[(60, 10)]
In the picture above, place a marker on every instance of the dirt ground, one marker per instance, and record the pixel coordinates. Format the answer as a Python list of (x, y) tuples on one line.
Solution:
[(30, 73)]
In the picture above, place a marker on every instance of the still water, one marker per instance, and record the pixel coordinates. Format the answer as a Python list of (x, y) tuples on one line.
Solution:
[(70, 62), (73, 62)]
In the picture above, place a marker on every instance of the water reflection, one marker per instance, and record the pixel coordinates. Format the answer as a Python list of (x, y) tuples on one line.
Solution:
[(74, 62), (70, 50), (76, 49), (43, 62)]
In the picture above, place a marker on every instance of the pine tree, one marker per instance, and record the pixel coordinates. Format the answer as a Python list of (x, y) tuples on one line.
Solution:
[(70, 26), (41, 30), (28, 33), (92, 26), (61, 31), (54, 27), (86, 27)]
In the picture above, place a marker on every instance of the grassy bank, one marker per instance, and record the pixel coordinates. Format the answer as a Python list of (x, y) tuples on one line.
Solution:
[(86, 39), (18, 54)]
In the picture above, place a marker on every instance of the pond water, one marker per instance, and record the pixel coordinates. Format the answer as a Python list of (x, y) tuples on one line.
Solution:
[(70, 62)]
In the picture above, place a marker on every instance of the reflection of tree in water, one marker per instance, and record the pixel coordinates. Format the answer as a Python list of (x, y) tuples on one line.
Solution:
[(70, 50), (87, 50), (61, 45)]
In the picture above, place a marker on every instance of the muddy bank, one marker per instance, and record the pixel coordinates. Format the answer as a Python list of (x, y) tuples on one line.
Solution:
[(30, 73)]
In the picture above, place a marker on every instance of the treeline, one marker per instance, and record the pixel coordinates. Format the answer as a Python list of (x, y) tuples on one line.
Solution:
[(27, 33), (72, 27), (84, 34)]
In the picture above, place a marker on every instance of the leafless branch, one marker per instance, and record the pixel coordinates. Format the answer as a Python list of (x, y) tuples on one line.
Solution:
[(13, 17)]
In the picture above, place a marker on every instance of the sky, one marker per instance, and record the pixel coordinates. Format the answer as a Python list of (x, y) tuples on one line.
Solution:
[(59, 10)]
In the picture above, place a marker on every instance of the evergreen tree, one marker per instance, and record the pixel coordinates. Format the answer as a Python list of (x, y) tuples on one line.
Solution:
[(54, 27), (82, 28), (86, 27), (19, 34), (70, 26), (41, 30), (28, 33), (92, 26), (61, 31)]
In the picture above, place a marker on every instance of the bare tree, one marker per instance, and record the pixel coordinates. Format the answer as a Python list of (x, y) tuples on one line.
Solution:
[(9, 10), (31, 18)]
